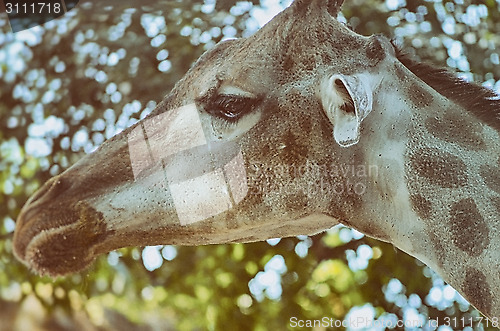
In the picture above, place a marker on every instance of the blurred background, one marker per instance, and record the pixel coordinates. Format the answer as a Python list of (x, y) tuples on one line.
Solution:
[(67, 86)]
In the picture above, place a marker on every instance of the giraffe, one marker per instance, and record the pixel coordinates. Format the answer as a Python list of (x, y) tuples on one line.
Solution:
[(297, 128)]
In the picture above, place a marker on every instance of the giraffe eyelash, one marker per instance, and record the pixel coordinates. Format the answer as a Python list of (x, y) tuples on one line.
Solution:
[(229, 108)]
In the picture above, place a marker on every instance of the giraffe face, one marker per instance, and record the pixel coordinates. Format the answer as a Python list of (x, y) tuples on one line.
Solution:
[(250, 145)]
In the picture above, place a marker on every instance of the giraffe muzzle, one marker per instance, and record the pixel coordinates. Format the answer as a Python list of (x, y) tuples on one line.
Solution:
[(55, 236)]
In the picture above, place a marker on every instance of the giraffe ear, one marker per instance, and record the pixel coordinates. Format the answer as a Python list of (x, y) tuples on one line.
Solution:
[(347, 100)]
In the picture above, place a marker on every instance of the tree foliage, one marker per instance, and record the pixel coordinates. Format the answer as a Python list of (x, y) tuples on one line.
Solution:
[(79, 80)]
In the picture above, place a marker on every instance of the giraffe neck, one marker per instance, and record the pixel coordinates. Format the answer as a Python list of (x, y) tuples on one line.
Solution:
[(436, 194), (453, 171)]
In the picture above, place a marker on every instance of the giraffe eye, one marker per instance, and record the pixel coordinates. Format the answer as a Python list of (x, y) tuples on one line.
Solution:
[(230, 107)]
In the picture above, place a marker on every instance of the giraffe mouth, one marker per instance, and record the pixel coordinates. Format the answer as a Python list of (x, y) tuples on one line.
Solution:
[(54, 239), (56, 250)]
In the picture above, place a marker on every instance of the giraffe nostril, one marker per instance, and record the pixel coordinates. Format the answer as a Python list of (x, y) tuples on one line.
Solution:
[(51, 189)]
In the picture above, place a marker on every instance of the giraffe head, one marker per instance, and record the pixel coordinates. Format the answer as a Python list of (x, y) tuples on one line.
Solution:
[(248, 146)]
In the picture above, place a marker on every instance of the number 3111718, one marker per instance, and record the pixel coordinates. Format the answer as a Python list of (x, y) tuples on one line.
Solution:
[(33, 8)]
